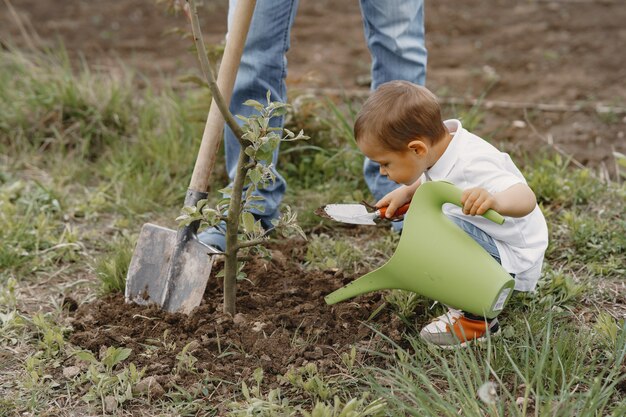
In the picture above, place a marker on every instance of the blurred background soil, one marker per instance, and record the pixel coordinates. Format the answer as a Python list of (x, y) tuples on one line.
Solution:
[(568, 53)]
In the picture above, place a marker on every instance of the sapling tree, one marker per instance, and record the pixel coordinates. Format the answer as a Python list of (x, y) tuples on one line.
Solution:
[(245, 236)]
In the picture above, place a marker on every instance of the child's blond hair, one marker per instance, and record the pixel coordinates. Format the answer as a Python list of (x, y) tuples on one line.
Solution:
[(399, 112)]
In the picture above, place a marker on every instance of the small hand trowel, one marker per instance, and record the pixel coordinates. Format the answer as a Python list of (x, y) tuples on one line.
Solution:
[(357, 213)]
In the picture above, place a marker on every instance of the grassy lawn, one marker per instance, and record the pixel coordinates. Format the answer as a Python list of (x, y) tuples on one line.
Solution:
[(87, 158)]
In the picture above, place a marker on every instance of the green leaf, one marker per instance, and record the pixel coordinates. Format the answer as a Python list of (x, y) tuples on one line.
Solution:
[(244, 119), (247, 219), (253, 103), (279, 112), (258, 207), (258, 375), (85, 355), (244, 390), (250, 151), (226, 191), (114, 355), (264, 155), (255, 129), (255, 176)]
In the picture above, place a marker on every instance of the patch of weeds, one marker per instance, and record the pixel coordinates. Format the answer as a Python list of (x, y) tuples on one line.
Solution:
[(112, 266), (49, 107), (354, 407), (8, 407), (599, 242), (608, 332), (557, 288), (256, 403), (313, 166), (8, 298), (185, 361), (330, 162), (348, 359), (328, 253), (140, 145), (51, 335), (308, 380), (196, 400), (33, 228), (36, 382), (109, 387), (406, 303), (11, 326), (555, 183), (351, 254)]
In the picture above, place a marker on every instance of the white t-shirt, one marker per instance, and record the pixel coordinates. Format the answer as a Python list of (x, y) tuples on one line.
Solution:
[(470, 161)]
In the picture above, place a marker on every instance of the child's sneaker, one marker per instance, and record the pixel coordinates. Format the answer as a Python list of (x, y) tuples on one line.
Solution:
[(455, 329)]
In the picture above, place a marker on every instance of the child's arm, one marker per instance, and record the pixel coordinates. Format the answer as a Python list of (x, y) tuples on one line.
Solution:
[(516, 201), (397, 198)]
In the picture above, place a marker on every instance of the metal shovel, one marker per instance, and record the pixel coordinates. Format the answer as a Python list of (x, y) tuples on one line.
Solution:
[(171, 268)]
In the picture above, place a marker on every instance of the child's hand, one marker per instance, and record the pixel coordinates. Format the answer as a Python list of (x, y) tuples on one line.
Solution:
[(397, 198), (476, 201)]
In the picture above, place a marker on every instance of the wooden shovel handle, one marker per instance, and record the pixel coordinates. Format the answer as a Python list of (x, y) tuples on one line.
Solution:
[(399, 211), (212, 136)]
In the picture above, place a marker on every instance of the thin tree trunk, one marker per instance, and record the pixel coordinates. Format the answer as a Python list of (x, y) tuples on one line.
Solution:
[(232, 227)]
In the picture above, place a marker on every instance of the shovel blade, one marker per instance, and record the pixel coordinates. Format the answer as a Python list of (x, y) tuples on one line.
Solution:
[(348, 213), (158, 274)]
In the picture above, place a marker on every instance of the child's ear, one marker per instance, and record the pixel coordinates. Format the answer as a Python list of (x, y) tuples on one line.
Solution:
[(419, 147)]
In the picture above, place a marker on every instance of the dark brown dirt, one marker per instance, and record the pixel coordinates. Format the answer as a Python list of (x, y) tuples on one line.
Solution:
[(282, 321)]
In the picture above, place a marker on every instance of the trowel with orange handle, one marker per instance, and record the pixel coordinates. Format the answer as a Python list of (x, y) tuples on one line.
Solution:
[(358, 213)]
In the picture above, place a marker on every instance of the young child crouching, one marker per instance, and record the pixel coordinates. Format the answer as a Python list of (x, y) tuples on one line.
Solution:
[(400, 127)]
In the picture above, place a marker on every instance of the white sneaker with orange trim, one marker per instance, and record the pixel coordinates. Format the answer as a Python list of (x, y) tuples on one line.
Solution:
[(454, 329)]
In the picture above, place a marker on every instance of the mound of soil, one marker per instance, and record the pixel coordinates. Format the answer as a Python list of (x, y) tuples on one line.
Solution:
[(282, 321)]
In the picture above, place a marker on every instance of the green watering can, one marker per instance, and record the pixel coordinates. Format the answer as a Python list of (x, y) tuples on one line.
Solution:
[(438, 260)]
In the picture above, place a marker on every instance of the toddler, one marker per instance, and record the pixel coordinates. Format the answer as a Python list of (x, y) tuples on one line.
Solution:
[(400, 127)]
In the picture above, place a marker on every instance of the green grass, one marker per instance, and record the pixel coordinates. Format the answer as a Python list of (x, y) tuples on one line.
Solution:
[(86, 158), (542, 366), (112, 266)]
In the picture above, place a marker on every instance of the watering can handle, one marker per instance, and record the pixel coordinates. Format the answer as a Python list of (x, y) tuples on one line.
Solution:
[(452, 194)]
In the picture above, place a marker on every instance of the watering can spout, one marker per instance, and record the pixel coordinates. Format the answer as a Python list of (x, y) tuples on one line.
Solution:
[(363, 285), (436, 259)]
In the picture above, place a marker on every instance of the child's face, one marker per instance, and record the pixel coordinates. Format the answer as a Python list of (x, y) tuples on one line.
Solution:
[(404, 167)]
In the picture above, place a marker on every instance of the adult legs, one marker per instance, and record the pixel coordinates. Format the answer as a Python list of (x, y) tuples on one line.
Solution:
[(394, 31), (263, 68)]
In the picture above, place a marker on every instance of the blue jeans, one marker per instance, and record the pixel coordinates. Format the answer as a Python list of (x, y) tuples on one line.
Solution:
[(482, 238), (394, 31)]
